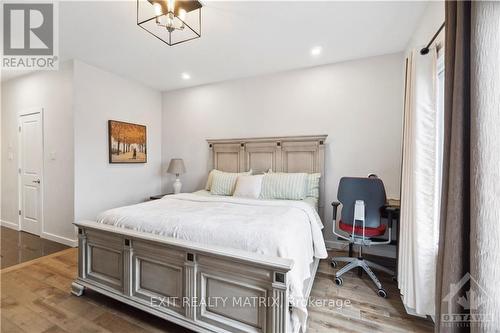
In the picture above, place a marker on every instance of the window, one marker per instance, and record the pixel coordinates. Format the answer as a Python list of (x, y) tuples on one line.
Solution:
[(439, 132)]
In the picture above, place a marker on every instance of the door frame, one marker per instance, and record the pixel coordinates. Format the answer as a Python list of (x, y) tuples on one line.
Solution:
[(27, 112)]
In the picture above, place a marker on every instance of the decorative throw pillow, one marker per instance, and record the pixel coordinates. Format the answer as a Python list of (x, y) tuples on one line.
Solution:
[(312, 188), (288, 186), (313, 185), (208, 185), (209, 180), (223, 183), (248, 186)]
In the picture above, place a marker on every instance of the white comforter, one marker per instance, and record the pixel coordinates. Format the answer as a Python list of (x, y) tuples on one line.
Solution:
[(283, 228)]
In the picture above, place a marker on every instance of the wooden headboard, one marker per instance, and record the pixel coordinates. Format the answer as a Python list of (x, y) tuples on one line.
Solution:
[(280, 154)]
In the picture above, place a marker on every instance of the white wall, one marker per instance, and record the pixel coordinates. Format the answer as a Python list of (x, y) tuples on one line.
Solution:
[(430, 22), (99, 97), (53, 91), (78, 100), (357, 103)]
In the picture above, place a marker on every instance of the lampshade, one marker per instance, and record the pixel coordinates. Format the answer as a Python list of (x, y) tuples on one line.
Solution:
[(176, 166)]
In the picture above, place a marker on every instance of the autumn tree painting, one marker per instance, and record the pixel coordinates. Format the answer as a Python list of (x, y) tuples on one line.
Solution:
[(127, 142)]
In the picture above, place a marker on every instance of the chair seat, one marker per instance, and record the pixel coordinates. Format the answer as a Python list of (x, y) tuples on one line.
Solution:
[(358, 230)]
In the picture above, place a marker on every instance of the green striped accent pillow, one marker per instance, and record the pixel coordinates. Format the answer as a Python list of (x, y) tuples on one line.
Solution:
[(223, 183), (313, 185), (287, 186), (208, 186)]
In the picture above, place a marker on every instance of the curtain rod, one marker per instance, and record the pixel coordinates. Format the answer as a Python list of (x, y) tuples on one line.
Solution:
[(425, 50)]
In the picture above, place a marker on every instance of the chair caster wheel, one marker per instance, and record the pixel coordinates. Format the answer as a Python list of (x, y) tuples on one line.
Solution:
[(339, 281), (382, 293), (333, 263)]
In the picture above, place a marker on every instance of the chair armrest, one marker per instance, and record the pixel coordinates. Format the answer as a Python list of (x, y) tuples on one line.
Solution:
[(335, 205)]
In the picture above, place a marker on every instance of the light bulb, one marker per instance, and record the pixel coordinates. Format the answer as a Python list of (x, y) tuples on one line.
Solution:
[(171, 5), (182, 14), (158, 9), (170, 21)]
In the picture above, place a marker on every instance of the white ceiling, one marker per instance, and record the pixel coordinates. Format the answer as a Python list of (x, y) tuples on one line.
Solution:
[(239, 39)]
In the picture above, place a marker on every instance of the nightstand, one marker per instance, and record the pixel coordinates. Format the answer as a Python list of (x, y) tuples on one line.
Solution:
[(158, 196)]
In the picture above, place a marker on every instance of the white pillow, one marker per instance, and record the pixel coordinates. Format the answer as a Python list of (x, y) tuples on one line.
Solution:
[(248, 186)]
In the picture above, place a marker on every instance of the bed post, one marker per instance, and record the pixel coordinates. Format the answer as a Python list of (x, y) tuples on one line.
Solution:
[(128, 256), (321, 157), (280, 303), (190, 281), (76, 288), (82, 245), (211, 165), (279, 157)]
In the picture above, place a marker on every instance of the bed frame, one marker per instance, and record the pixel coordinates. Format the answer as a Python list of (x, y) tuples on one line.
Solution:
[(185, 282)]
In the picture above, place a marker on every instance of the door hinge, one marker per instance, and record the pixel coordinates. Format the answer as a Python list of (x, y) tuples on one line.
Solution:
[(19, 212), (19, 128), (19, 170)]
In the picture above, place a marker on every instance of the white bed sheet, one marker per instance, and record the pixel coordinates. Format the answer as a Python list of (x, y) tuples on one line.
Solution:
[(308, 200), (284, 228)]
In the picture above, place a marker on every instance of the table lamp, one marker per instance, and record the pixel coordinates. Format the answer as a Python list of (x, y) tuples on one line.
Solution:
[(177, 168)]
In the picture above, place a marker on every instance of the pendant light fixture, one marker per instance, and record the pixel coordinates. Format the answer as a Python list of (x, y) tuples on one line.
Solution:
[(171, 21)]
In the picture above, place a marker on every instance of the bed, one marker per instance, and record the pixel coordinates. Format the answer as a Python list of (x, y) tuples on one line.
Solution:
[(211, 263)]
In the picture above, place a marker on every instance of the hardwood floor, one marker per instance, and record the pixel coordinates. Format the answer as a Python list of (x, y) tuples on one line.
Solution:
[(19, 246), (35, 298)]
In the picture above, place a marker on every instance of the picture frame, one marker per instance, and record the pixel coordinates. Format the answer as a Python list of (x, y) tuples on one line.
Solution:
[(127, 142)]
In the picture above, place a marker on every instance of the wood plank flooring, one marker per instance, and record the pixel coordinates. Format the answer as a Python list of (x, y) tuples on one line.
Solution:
[(19, 246), (35, 298)]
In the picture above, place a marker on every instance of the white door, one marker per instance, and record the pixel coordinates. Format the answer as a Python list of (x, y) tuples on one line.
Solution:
[(30, 170)]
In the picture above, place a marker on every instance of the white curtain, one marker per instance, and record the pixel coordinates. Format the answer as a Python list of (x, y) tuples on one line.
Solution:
[(420, 191)]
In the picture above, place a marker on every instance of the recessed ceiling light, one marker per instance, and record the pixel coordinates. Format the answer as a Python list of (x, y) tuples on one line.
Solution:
[(185, 76), (316, 51)]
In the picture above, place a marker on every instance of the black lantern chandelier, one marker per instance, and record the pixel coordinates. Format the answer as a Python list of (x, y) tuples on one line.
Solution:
[(171, 21)]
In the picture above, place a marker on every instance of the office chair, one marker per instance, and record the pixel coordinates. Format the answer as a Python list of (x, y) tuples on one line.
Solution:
[(362, 203)]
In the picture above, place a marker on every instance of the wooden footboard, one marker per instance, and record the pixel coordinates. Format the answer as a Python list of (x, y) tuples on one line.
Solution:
[(204, 288)]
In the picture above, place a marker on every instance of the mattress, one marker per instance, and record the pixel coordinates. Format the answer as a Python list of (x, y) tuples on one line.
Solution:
[(284, 228)]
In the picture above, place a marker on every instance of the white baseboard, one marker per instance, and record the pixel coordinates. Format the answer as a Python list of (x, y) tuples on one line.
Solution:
[(59, 239), (388, 251), (10, 225), (46, 235)]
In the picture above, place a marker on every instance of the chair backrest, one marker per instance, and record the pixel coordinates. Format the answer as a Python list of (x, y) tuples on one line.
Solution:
[(370, 190)]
